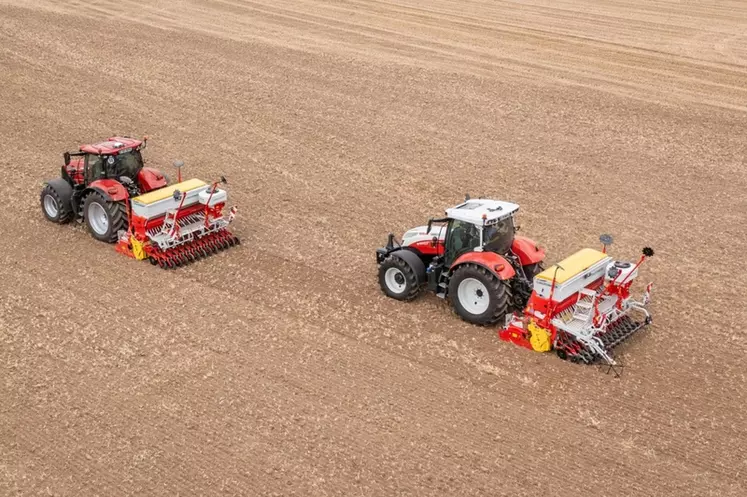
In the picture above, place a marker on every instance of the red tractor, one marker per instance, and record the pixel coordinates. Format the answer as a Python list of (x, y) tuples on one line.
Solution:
[(472, 257), (107, 186), (95, 183)]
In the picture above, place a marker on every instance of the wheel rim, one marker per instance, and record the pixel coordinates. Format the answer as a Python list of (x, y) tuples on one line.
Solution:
[(97, 218), (50, 206), (395, 280), (473, 296)]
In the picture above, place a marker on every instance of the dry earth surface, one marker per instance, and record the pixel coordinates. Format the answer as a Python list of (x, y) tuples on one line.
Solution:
[(278, 368)]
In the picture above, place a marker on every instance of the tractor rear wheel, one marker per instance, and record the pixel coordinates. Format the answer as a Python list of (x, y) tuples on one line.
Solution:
[(532, 270), (478, 296), (104, 218), (55, 207), (398, 280)]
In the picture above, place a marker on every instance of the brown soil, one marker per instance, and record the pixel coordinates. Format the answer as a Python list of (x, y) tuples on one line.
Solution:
[(278, 368)]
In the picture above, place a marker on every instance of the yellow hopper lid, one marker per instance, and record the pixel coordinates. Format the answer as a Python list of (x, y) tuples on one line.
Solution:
[(573, 265), (168, 191)]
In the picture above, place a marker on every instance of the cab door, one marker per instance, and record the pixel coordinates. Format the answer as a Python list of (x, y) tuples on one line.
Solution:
[(461, 237), (95, 168)]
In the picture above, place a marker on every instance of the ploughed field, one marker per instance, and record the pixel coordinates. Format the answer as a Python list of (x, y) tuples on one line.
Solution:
[(278, 367)]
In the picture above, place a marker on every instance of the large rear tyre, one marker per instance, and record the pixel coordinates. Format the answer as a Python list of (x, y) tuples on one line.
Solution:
[(104, 218), (478, 296), (55, 206), (532, 270), (398, 280)]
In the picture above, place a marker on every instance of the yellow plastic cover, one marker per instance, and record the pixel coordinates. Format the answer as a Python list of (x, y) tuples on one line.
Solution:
[(168, 191), (573, 265)]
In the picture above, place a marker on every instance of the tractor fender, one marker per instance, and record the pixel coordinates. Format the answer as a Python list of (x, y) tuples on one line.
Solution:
[(412, 260), (496, 264), (151, 179), (63, 189), (109, 188), (527, 250)]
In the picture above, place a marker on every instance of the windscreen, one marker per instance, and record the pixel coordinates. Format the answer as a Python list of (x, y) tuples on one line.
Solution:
[(128, 164), (498, 237)]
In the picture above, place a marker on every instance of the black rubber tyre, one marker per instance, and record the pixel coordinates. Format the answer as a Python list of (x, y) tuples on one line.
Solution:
[(397, 279), (497, 303), (55, 206), (532, 270), (114, 212)]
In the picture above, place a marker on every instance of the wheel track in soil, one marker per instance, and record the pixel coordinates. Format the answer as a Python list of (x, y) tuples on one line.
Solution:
[(616, 81), (468, 363), (516, 419)]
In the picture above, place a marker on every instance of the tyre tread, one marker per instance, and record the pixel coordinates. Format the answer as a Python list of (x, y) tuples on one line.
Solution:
[(410, 276), (65, 213), (494, 286), (117, 215)]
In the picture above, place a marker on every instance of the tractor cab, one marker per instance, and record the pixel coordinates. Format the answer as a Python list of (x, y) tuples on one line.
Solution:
[(479, 225), (471, 256), (115, 158)]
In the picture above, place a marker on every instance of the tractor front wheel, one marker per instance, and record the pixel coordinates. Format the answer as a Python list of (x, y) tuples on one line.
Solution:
[(478, 296), (397, 279), (104, 218), (55, 206)]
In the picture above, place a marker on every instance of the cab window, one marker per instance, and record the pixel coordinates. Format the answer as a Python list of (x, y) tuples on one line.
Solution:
[(462, 237), (128, 164), (95, 167)]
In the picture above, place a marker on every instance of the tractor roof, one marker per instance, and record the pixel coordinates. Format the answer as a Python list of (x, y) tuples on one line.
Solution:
[(112, 146), (473, 210)]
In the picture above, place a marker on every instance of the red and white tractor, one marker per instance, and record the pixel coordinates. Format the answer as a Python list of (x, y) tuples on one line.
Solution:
[(107, 187), (581, 307), (472, 257)]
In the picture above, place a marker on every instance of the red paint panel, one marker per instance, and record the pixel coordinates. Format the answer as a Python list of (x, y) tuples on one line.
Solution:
[(527, 250), (426, 247), (75, 170), (112, 188), (493, 262), (150, 179)]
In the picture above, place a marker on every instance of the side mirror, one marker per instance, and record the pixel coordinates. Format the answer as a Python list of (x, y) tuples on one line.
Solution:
[(430, 223), (223, 180), (66, 156)]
